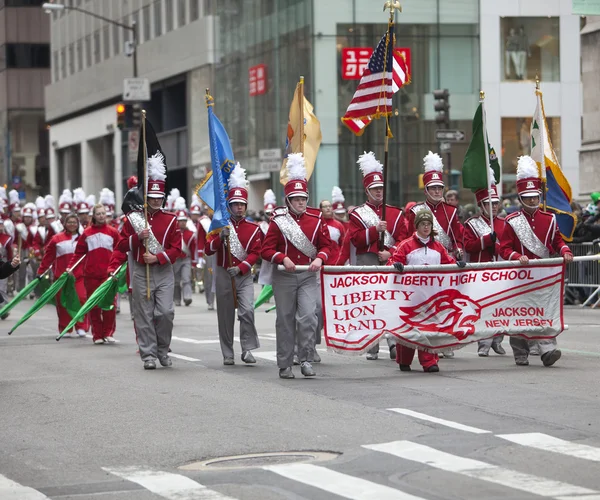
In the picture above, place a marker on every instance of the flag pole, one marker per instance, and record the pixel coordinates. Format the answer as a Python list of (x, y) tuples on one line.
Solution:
[(538, 94), (301, 103), (487, 156), (392, 6), (146, 199)]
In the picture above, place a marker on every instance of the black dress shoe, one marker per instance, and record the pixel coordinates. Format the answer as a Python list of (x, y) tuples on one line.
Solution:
[(286, 372), (393, 352), (432, 369), (150, 365), (405, 368)]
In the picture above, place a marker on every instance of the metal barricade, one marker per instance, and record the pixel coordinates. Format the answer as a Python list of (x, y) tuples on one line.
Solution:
[(583, 278)]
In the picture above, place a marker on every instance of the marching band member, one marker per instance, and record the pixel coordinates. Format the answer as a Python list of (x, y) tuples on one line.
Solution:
[(159, 246), (65, 205), (269, 204), (207, 261), (339, 208), (27, 230), (83, 210), (3, 203), (482, 244), (14, 210), (528, 234), (57, 255), (97, 243), (234, 265), (48, 230), (337, 231), (296, 236), (7, 255), (445, 217), (420, 249), (182, 268), (367, 228), (107, 198)]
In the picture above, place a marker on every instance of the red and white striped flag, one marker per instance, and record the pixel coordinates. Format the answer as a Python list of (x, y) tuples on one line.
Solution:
[(373, 97)]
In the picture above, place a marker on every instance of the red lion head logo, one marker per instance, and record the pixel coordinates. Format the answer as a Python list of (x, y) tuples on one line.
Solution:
[(448, 312)]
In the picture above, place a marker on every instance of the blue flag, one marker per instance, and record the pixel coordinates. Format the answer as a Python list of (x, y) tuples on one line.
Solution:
[(213, 191)]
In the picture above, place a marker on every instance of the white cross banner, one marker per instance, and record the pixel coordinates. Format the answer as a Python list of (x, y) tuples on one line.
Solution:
[(441, 307)]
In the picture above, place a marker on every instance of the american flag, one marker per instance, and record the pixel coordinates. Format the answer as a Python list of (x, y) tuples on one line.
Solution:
[(373, 97)]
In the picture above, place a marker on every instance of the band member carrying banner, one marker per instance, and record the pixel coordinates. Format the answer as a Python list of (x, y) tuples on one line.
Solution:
[(420, 249), (532, 233), (296, 236), (482, 244), (366, 227)]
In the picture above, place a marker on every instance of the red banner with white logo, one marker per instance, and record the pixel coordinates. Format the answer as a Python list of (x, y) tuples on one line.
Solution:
[(445, 308)]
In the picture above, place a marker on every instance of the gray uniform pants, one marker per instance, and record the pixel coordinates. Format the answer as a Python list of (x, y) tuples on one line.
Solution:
[(153, 319), (25, 274), (295, 296), (208, 279), (372, 259), (226, 311), (485, 345), (182, 269), (521, 346)]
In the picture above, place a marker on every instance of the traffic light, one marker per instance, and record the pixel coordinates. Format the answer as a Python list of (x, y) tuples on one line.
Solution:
[(136, 115), (441, 105), (121, 122)]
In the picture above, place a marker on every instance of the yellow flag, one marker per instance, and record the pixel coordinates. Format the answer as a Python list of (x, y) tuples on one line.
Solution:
[(312, 134)]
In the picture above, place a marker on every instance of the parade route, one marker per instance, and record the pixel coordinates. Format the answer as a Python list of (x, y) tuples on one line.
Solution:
[(84, 421)]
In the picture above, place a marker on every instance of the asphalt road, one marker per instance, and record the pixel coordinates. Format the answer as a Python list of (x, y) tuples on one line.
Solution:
[(81, 421)]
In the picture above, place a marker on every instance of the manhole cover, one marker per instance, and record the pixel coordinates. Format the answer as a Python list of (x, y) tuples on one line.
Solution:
[(261, 460)]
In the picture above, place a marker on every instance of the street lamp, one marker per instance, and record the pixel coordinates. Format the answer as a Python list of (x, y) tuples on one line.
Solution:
[(55, 7)]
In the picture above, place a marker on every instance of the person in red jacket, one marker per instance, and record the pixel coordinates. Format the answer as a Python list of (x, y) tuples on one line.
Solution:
[(158, 247), (482, 243), (187, 260), (97, 243), (367, 229), (296, 236), (6, 254), (234, 265), (57, 255), (528, 234), (421, 249)]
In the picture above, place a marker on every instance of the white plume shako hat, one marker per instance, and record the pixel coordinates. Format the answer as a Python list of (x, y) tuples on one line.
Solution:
[(371, 169), (196, 205), (107, 198), (65, 202), (179, 206), (433, 168), (337, 200), (50, 206), (483, 195), (238, 186), (14, 202), (157, 175), (40, 205), (79, 199), (528, 177), (297, 184), (29, 210), (173, 195), (269, 201)]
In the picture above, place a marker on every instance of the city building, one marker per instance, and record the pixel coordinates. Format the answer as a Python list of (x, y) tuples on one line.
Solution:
[(24, 72), (251, 54)]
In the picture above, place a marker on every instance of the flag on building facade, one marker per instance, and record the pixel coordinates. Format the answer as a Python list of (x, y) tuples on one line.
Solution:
[(312, 133), (385, 74), (558, 189), (213, 191), (475, 165)]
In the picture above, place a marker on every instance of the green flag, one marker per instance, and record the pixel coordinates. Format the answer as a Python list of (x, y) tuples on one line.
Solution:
[(20, 296), (265, 294), (474, 171), (69, 298)]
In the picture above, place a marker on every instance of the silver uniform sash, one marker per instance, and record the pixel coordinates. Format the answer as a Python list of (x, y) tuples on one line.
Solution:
[(480, 227), (293, 232), (442, 236), (235, 245), (139, 224), (527, 237), (371, 219)]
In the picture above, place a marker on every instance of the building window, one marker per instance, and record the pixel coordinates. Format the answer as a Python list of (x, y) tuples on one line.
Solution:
[(71, 54), (135, 18), (24, 3), (181, 13), (116, 39), (55, 65), (79, 50), (106, 42), (157, 19), (146, 22), (169, 15), (207, 8), (63, 63), (27, 55), (97, 47), (530, 48), (88, 51), (516, 141), (194, 10)]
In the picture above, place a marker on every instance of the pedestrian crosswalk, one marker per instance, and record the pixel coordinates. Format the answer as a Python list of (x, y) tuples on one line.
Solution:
[(371, 472)]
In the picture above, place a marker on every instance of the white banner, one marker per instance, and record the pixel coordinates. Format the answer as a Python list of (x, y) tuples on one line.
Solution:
[(440, 309)]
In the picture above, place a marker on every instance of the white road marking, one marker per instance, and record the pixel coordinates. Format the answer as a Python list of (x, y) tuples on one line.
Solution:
[(481, 470), (167, 485), (268, 355), (339, 484), (181, 356), (556, 445), (441, 421), (9, 490), (194, 341)]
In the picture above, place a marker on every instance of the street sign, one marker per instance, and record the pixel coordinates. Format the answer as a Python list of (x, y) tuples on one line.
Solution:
[(136, 89), (450, 135), (270, 166), (133, 141), (445, 147), (269, 154)]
